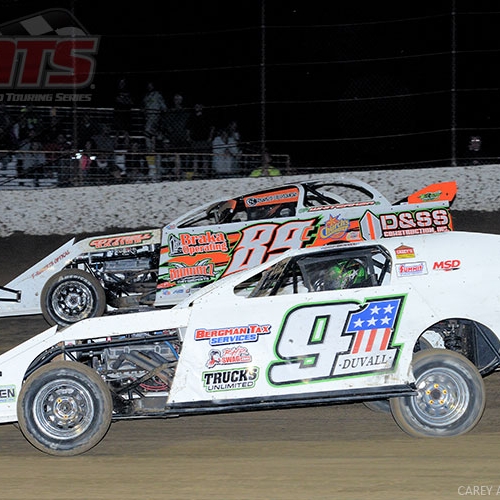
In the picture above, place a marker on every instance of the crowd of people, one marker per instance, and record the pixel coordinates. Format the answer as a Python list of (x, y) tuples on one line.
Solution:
[(175, 143)]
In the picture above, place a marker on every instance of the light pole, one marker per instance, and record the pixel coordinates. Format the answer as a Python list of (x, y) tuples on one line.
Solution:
[(262, 76), (453, 86)]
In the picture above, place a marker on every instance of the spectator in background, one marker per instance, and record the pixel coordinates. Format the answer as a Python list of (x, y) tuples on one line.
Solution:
[(105, 144), (234, 136), (86, 130), (6, 145), (123, 108), (154, 107), (20, 130), (168, 162), (104, 140), (52, 129), (266, 169), (200, 133), (175, 129), (175, 124), (58, 158), (136, 164), (224, 151), (55, 145), (234, 132), (6, 139), (86, 164), (31, 161), (33, 119), (5, 118)]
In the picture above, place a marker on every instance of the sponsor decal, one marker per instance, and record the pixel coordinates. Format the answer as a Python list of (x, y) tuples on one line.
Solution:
[(50, 264), (230, 380), (353, 236), (228, 356), (193, 244), (121, 241), (234, 252), (430, 196), (201, 271), (48, 50), (404, 252), (341, 205), (287, 196), (345, 339), (162, 292), (413, 269), (416, 222), (7, 393), (232, 335), (334, 228), (446, 265)]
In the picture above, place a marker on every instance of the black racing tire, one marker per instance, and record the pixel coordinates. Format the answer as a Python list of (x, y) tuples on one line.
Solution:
[(70, 296), (379, 406), (450, 397), (64, 408)]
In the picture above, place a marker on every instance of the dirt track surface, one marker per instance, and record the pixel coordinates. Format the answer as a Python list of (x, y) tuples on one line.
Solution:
[(345, 452)]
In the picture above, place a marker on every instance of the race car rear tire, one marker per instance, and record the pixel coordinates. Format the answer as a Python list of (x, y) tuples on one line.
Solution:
[(64, 408), (383, 405), (450, 397), (70, 296)]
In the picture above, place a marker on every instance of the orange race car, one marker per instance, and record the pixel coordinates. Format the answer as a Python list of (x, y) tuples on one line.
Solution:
[(160, 267)]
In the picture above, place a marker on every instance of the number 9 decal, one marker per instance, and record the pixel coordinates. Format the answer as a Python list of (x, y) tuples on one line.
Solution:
[(324, 341)]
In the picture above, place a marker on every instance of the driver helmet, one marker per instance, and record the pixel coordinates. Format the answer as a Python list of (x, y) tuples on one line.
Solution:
[(345, 274)]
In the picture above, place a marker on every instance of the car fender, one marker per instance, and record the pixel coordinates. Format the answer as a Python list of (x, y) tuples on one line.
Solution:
[(29, 284)]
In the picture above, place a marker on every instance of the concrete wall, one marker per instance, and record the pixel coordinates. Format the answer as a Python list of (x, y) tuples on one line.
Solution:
[(132, 206)]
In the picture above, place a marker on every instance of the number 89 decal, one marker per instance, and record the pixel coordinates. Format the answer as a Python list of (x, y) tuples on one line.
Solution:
[(324, 341)]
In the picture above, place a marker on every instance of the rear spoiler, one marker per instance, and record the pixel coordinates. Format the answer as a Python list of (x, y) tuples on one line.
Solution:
[(441, 191)]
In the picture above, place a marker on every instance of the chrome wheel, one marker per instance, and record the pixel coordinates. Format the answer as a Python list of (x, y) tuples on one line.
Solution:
[(450, 396), (443, 397), (63, 410)]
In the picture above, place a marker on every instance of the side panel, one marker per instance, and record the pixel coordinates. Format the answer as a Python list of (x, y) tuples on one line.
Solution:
[(282, 346), (193, 257)]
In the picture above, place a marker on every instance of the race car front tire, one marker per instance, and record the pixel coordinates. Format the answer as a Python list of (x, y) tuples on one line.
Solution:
[(450, 396), (379, 406), (70, 296), (64, 408)]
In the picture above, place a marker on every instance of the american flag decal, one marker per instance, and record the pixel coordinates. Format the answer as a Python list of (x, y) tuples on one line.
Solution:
[(373, 324), (372, 329)]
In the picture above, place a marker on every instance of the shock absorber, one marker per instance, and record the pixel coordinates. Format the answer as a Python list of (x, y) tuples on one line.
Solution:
[(458, 337)]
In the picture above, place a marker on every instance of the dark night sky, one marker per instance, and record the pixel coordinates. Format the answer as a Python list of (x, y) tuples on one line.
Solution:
[(335, 71)]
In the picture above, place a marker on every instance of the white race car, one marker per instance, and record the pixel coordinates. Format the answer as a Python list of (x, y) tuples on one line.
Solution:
[(162, 266), (409, 323)]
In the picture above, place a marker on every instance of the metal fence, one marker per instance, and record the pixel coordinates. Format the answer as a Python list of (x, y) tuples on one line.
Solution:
[(60, 147), (338, 89)]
